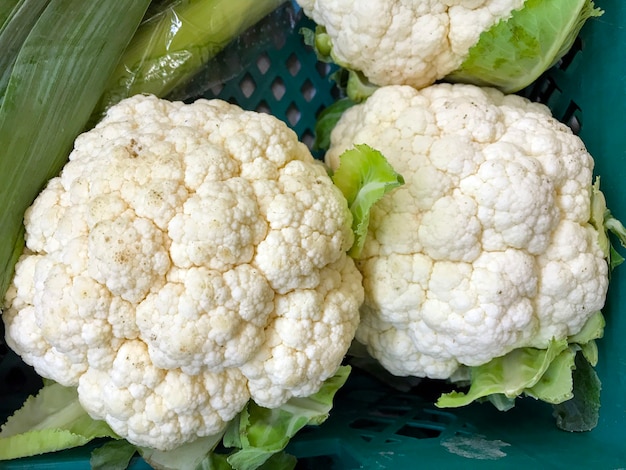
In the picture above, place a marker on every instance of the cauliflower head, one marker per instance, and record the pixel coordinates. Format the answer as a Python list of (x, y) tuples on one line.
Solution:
[(428, 39), (487, 247), (189, 258)]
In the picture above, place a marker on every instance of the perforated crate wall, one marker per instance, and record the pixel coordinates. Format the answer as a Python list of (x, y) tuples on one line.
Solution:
[(285, 79)]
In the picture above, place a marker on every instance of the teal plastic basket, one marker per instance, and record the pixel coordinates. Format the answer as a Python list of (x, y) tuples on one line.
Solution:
[(375, 426)]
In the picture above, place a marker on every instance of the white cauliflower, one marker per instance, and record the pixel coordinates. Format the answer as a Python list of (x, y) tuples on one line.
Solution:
[(405, 42), (487, 247), (189, 258), (502, 43)]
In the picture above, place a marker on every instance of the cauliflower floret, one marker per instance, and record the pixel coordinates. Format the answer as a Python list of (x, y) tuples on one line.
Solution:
[(189, 258), (429, 38), (487, 247)]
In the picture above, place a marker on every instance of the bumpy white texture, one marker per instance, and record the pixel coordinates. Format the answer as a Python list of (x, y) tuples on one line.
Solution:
[(405, 42), (189, 258), (487, 247)]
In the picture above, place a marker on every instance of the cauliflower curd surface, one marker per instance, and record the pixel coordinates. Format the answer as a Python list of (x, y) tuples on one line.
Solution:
[(189, 258), (487, 247)]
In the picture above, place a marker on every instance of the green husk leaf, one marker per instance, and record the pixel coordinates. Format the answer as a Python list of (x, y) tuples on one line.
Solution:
[(591, 330), (186, 457), (598, 211), (7, 9), (549, 375), (514, 53), (173, 45), (615, 258), (17, 18), (39, 442), (280, 461), (501, 402), (113, 455), (215, 461), (509, 375), (606, 224), (58, 77), (260, 433), (319, 41), (327, 120), (358, 87), (556, 383), (351, 82), (364, 176), (50, 421), (581, 412), (590, 352)]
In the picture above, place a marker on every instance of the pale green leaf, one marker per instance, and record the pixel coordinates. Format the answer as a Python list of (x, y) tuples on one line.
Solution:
[(515, 52), (364, 176)]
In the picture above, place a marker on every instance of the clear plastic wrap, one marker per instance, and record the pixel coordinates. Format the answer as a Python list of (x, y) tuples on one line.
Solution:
[(178, 39)]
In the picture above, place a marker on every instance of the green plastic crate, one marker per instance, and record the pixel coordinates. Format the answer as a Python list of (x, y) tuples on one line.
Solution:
[(374, 426)]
